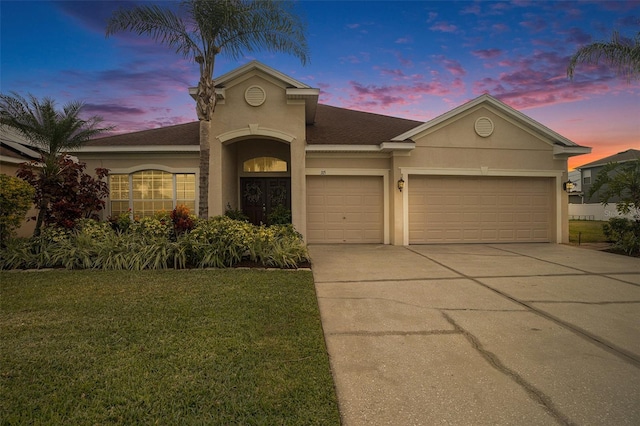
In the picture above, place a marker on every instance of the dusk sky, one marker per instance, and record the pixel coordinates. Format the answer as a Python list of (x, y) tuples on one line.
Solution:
[(415, 59)]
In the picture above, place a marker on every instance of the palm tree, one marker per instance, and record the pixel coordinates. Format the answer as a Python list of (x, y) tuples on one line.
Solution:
[(204, 28), (54, 132), (621, 53)]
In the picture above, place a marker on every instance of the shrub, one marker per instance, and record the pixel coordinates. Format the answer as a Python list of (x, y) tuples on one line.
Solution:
[(148, 244), (279, 216), (183, 221), (16, 197), (218, 242), (625, 234), (235, 214), (68, 195)]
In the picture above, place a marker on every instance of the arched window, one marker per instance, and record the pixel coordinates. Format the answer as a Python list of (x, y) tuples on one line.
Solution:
[(149, 191), (264, 164)]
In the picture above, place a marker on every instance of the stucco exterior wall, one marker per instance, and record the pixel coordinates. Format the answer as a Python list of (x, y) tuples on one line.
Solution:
[(235, 121)]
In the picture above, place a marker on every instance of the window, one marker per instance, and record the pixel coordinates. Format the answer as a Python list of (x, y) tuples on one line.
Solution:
[(586, 177), (149, 191), (264, 164)]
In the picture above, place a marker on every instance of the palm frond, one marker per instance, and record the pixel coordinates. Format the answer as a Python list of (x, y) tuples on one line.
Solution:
[(42, 124), (162, 25), (621, 54), (264, 25)]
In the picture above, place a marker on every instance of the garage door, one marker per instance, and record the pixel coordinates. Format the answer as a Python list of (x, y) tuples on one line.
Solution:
[(479, 209), (345, 209)]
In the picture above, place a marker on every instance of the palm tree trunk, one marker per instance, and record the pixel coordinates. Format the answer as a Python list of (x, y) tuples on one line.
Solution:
[(203, 199)]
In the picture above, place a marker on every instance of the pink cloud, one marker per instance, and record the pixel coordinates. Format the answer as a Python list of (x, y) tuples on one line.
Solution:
[(444, 27), (404, 40), (486, 53), (454, 67)]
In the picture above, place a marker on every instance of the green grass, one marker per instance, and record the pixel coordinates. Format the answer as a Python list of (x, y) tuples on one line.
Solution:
[(163, 347), (590, 230)]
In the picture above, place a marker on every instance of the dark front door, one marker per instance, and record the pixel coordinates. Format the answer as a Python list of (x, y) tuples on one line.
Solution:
[(261, 195)]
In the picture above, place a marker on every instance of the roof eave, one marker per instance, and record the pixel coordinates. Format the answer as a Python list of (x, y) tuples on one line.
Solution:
[(561, 151), (382, 147), (138, 148)]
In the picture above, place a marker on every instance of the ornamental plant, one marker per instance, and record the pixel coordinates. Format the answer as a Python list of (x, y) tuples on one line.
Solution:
[(16, 197), (183, 220), (69, 195)]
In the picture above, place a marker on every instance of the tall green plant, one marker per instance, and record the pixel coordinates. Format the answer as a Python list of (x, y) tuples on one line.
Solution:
[(201, 30), (53, 131), (16, 197)]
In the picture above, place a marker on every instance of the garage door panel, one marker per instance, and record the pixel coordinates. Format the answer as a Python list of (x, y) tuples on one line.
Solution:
[(351, 210), (479, 209)]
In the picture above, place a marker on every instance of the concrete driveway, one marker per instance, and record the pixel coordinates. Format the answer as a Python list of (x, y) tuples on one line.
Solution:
[(481, 334)]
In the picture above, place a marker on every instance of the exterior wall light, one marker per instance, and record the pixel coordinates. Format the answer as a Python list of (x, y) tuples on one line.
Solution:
[(400, 184), (568, 186)]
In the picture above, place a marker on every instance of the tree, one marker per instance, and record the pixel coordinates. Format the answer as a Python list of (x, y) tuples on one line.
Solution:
[(204, 28), (620, 53), (622, 181), (53, 131)]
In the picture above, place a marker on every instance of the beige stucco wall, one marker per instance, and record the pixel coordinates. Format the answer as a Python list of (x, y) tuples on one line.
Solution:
[(235, 122), (454, 148)]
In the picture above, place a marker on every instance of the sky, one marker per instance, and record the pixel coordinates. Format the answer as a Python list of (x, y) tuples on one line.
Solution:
[(412, 59)]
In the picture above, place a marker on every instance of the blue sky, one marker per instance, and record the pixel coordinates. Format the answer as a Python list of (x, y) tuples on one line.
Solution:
[(413, 59)]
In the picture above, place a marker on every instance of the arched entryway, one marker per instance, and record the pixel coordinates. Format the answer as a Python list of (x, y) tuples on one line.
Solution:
[(264, 180)]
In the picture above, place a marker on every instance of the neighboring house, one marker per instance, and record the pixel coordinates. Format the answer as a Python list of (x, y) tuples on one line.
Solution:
[(582, 206), (482, 172), (14, 150)]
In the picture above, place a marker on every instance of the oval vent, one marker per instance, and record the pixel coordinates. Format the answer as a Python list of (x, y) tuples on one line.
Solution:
[(484, 126), (255, 96)]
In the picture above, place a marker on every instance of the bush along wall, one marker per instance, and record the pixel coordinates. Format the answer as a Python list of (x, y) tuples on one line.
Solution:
[(160, 242)]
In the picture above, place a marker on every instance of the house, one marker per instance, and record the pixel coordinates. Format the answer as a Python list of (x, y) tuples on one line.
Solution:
[(482, 172), (583, 206)]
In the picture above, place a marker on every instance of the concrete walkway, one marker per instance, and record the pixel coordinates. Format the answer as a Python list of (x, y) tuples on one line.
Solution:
[(521, 334)]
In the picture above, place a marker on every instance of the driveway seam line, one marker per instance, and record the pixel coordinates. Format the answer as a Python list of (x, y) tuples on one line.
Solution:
[(578, 331), (599, 274), (533, 392)]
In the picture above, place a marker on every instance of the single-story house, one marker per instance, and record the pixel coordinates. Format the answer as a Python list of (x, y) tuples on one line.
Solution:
[(581, 205), (482, 172)]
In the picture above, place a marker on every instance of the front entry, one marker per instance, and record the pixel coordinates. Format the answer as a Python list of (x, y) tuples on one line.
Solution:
[(261, 195)]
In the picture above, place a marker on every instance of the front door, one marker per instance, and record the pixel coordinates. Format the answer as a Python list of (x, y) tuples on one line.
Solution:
[(261, 195)]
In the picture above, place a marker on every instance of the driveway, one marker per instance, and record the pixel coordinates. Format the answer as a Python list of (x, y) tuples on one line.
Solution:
[(481, 334)]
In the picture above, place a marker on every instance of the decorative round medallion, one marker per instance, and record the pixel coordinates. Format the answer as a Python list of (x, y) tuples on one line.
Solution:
[(255, 96), (484, 126)]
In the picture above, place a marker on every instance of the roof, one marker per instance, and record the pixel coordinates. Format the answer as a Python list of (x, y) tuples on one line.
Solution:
[(341, 126), (333, 125), (628, 155), (14, 148), (180, 135), (561, 145)]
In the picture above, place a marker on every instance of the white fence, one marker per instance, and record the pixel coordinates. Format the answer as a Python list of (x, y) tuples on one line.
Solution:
[(594, 212)]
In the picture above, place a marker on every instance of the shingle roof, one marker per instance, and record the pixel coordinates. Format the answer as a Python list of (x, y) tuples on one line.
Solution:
[(343, 126), (630, 154), (181, 134), (332, 125)]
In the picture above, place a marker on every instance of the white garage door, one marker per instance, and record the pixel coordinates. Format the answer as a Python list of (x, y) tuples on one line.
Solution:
[(444, 209), (345, 209)]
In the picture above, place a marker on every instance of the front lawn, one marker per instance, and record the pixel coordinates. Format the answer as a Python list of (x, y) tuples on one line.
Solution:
[(163, 347), (586, 231)]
